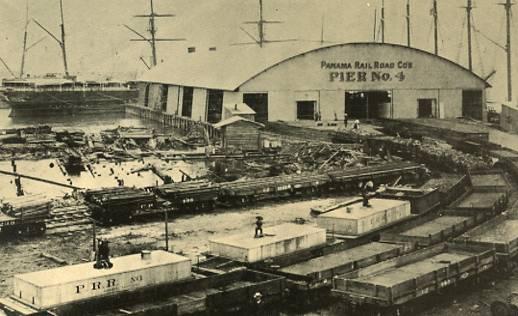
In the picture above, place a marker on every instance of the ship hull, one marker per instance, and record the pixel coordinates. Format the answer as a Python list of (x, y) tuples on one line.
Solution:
[(43, 103)]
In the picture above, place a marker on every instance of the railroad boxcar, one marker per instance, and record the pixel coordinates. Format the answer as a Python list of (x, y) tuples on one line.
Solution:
[(72, 290)]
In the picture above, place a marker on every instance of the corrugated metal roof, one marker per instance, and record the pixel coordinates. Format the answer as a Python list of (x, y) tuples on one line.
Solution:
[(226, 68), (230, 67)]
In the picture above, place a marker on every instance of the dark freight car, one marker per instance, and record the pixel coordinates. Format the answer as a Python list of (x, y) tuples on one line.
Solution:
[(189, 196), (120, 204)]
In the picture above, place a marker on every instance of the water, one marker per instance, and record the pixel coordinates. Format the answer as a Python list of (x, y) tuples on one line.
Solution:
[(104, 173), (88, 123)]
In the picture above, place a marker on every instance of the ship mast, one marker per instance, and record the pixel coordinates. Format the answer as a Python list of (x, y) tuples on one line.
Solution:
[(435, 27), (61, 41), (469, 8), (408, 34), (375, 26), (152, 32), (63, 48), (25, 38), (383, 21), (508, 10), (261, 40)]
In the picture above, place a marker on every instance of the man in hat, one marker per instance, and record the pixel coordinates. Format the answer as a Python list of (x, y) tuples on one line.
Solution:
[(258, 227)]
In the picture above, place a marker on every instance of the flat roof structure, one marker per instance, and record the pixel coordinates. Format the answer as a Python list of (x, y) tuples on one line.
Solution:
[(276, 241)]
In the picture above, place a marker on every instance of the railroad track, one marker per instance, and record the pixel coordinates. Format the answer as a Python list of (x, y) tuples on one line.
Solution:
[(68, 219)]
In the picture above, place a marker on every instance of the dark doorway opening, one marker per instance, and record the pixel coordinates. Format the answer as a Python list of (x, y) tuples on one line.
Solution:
[(259, 103), (426, 108), (368, 104), (306, 110), (472, 104), (146, 95), (164, 91), (187, 101), (214, 105)]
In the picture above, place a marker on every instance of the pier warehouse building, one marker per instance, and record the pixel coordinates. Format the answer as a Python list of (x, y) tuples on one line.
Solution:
[(290, 82)]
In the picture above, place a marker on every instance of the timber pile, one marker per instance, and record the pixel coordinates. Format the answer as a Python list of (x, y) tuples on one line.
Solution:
[(432, 152), (32, 207), (323, 157), (197, 136)]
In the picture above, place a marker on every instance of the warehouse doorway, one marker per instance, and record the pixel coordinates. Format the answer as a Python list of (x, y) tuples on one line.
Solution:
[(426, 108), (472, 104), (259, 103), (306, 110), (368, 104), (214, 105)]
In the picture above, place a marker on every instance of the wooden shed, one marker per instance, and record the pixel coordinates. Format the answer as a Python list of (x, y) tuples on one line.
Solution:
[(238, 109), (238, 132)]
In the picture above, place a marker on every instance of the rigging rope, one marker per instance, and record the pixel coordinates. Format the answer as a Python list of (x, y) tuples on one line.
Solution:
[(477, 43), (430, 32), (459, 48)]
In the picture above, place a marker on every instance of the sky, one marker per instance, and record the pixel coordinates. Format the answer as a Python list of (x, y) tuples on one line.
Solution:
[(97, 41)]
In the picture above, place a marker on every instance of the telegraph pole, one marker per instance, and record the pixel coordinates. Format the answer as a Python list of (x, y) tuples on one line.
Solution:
[(436, 27), (469, 8), (408, 35), (383, 21), (152, 32)]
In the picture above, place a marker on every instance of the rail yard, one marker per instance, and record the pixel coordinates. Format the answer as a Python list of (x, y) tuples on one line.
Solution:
[(447, 224), (242, 164)]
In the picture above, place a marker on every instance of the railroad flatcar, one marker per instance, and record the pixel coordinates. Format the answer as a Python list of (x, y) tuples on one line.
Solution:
[(189, 196), (120, 204)]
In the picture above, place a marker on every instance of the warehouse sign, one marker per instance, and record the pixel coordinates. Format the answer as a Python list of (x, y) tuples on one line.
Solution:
[(360, 71)]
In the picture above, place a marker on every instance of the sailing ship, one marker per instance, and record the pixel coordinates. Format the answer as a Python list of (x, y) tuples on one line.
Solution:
[(55, 94)]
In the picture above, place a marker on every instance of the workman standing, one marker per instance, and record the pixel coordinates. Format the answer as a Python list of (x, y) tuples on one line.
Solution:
[(259, 227), (346, 118), (365, 188)]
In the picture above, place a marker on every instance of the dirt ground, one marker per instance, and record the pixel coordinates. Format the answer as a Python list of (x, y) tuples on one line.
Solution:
[(189, 234)]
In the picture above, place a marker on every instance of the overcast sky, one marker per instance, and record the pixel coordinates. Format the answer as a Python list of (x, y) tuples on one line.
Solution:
[(97, 41)]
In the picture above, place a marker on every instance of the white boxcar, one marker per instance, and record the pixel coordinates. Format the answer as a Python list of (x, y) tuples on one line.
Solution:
[(356, 219), (50, 288), (277, 240)]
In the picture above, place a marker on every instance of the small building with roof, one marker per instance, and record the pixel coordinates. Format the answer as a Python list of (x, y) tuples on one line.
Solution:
[(299, 81), (238, 109), (240, 133)]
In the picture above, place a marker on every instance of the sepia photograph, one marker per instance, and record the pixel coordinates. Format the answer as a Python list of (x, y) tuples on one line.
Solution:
[(258, 158)]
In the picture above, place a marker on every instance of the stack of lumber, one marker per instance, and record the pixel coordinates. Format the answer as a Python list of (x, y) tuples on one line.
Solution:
[(119, 196), (134, 133), (35, 206), (434, 152), (313, 156)]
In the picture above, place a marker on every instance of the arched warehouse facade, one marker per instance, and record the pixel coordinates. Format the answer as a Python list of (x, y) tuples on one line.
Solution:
[(366, 80)]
